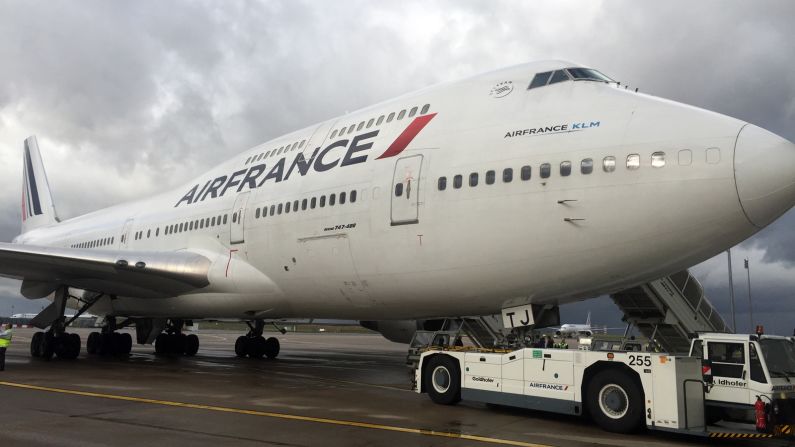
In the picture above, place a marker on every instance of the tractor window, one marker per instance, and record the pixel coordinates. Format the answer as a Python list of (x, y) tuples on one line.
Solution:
[(698, 349), (728, 359), (757, 372)]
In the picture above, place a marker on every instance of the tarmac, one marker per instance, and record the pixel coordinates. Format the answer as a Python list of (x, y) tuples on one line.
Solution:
[(323, 390)]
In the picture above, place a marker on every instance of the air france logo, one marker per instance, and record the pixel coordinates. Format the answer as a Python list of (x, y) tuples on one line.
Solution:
[(548, 386), (339, 153), (553, 129)]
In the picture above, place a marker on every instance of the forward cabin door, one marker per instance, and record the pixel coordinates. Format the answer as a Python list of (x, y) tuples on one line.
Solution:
[(124, 240), (406, 190), (238, 219)]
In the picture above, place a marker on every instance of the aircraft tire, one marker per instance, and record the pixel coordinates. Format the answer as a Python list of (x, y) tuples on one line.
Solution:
[(191, 345), (443, 380), (73, 345), (241, 346), (46, 347), (615, 401), (272, 347), (161, 344), (126, 344), (35, 344), (178, 343), (92, 343), (256, 347)]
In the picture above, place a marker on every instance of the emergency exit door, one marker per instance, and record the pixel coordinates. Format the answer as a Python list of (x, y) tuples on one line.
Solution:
[(238, 220), (406, 190)]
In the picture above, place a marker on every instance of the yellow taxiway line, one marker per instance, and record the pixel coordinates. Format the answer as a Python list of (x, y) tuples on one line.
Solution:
[(268, 414)]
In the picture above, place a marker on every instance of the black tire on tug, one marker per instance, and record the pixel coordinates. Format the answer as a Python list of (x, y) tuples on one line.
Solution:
[(272, 347), (615, 401), (191, 344), (92, 343), (443, 380), (161, 344), (241, 346), (126, 343), (35, 344)]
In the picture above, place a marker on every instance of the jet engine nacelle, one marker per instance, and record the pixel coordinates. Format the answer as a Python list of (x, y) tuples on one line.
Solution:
[(401, 331)]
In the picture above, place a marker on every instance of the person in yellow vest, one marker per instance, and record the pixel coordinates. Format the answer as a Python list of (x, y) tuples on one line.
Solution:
[(5, 340)]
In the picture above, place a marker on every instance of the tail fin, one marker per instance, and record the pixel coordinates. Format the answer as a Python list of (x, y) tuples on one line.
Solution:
[(588, 320), (38, 209)]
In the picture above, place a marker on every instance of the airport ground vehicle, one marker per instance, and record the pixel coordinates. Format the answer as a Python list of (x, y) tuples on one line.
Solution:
[(622, 391)]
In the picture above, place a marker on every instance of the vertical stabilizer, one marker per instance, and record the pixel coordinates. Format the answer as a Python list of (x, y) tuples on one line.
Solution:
[(38, 209), (588, 320)]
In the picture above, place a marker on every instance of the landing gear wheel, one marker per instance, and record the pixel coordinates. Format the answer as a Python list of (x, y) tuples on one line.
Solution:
[(93, 343), (161, 344), (241, 346), (256, 347), (35, 344), (191, 345), (443, 380), (615, 401), (272, 347), (126, 344), (47, 346)]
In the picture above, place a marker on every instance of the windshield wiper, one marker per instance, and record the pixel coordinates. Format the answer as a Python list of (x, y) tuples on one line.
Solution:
[(784, 374)]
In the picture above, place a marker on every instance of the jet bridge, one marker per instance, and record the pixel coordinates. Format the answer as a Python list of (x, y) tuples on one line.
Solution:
[(670, 311)]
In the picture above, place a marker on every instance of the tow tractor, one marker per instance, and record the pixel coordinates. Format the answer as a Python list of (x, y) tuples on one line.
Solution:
[(624, 391)]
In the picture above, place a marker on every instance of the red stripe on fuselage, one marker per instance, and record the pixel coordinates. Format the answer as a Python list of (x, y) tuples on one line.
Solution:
[(407, 136)]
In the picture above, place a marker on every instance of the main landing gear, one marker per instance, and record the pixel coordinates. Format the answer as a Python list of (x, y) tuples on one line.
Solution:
[(173, 342), (56, 341), (109, 342), (254, 345)]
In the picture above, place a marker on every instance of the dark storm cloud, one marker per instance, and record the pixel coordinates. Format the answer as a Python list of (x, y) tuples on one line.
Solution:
[(128, 98)]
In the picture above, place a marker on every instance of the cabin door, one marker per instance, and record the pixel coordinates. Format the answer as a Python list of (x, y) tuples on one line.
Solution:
[(406, 190), (238, 219), (124, 240)]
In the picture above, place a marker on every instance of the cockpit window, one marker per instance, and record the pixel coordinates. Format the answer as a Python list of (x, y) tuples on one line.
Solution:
[(559, 76), (540, 80), (587, 74)]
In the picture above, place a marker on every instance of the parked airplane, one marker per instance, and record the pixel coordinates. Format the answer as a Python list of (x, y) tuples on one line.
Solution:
[(571, 329), (513, 192)]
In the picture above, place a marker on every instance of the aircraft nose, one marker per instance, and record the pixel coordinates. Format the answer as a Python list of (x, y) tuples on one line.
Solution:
[(764, 172)]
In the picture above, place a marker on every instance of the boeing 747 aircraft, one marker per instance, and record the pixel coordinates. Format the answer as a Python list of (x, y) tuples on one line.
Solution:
[(513, 191)]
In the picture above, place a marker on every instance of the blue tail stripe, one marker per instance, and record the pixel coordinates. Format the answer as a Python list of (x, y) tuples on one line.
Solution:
[(34, 192)]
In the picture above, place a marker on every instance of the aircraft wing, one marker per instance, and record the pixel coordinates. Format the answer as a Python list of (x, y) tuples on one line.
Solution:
[(143, 274)]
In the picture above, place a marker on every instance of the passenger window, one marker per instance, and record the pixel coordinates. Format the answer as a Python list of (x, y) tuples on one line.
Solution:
[(713, 155), (273, 210), (401, 115), (280, 208), (264, 211), (658, 159), (295, 145), (546, 170), (565, 168), (442, 183), (728, 359), (342, 198), (457, 181), (586, 166), (757, 373), (398, 189), (526, 173), (350, 129), (207, 222), (380, 120), (633, 161), (507, 175), (256, 213), (247, 161), (286, 207), (353, 196), (391, 116), (490, 175), (295, 205), (425, 109), (303, 204), (313, 202), (685, 157), (360, 126), (370, 123), (609, 163), (302, 144), (559, 76), (413, 112), (157, 233), (322, 201), (540, 80), (473, 179)]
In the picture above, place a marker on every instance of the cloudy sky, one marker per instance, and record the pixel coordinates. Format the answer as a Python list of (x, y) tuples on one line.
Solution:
[(127, 98)]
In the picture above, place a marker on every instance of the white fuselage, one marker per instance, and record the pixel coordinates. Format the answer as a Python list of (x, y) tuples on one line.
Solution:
[(459, 251)]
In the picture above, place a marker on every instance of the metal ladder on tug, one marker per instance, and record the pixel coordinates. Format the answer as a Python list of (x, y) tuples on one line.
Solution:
[(670, 310), (481, 332)]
